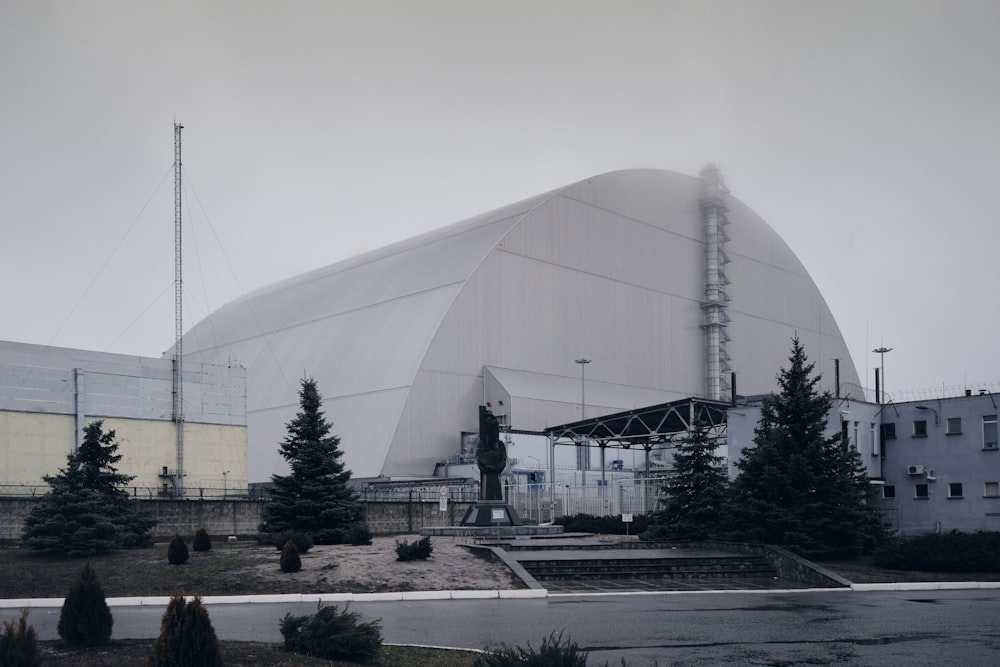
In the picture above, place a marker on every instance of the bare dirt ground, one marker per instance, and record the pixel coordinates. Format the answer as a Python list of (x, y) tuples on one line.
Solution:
[(373, 568), (246, 568)]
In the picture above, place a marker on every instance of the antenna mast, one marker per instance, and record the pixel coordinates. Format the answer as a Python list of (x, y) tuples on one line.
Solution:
[(178, 317)]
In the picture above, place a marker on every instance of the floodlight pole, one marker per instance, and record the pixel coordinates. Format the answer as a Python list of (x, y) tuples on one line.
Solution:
[(583, 453)]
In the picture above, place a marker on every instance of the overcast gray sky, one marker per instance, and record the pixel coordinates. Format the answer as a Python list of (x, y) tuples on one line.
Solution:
[(866, 133)]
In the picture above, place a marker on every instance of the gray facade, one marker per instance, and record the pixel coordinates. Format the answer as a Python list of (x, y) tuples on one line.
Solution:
[(934, 464), (57, 380), (942, 464)]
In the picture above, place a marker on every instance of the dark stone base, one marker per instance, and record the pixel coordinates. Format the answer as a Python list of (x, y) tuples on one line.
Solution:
[(495, 532), (494, 513)]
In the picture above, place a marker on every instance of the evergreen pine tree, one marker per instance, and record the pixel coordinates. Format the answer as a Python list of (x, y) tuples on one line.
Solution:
[(85, 618), (695, 491), (19, 643), (177, 551), (798, 487), (171, 633), (86, 510), (202, 542), (290, 560), (314, 498), (187, 638)]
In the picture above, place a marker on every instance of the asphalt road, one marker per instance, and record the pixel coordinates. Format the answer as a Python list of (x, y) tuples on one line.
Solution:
[(955, 627)]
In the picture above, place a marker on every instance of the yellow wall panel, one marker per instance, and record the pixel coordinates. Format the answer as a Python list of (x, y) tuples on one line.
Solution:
[(36, 444), (32, 445)]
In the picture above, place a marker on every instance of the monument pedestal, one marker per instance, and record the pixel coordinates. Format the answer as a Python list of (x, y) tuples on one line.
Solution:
[(491, 513)]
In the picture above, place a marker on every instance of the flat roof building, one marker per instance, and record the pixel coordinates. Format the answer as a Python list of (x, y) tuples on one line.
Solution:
[(49, 394)]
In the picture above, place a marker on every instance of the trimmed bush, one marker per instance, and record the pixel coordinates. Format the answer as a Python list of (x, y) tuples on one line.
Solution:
[(554, 652), (187, 637), (358, 535), (177, 551), (604, 525), (290, 561), (945, 552), (19, 643), (202, 542), (332, 634), (85, 619), (419, 550), (303, 541)]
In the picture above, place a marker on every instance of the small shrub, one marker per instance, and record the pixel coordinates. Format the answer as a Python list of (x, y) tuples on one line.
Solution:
[(554, 652), (358, 535), (290, 561), (419, 550), (202, 542), (85, 618), (332, 634), (604, 525), (186, 636), (177, 551), (303, 541), (19, 643)]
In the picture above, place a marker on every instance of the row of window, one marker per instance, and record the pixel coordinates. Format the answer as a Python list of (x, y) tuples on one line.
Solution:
[(953, 426), (990, 490)]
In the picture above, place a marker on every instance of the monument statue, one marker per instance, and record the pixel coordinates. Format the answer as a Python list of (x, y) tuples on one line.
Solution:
[(491, 455)]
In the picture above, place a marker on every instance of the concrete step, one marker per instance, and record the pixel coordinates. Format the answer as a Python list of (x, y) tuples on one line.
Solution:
[(596, 568)]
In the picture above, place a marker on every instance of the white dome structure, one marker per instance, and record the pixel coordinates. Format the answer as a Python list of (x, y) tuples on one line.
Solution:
[(664, 281)]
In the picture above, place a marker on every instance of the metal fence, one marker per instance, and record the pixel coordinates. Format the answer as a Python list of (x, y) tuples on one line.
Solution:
[(142, 492), (545, 502), (536, 502)]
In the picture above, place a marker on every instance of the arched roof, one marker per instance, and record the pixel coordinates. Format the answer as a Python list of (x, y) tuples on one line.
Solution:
[(399, 339)]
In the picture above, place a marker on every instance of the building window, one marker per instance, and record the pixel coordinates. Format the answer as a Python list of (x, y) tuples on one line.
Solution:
[(854, 436), (875, 448), (920, 491), (954, 426), (989, 431), (888, 491), (888, 431), (991, 490), (920, 428), (955, 490)]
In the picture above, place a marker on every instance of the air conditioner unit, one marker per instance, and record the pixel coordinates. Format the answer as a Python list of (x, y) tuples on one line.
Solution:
[(915, 470)]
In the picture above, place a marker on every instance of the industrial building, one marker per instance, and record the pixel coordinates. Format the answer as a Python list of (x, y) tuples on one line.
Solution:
[(48, 394), (608, 312), (941, 467), (656, 286)]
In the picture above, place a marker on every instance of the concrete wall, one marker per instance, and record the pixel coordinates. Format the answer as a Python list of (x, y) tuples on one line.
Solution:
[(241, 517), (405, 517)]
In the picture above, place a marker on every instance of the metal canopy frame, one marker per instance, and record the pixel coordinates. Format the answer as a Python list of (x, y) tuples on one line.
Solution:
[(646, 427)]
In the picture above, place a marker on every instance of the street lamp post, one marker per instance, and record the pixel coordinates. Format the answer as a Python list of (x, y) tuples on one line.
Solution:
[(582, 452), (881, 352)]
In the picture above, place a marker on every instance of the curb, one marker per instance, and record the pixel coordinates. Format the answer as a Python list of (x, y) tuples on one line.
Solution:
[(515, 594), (928, 586), (291, 598)]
